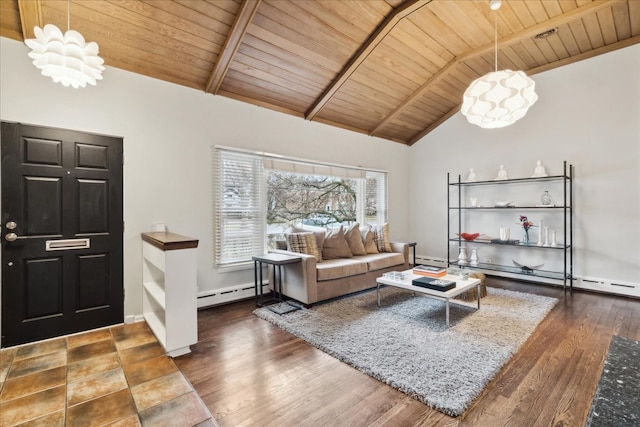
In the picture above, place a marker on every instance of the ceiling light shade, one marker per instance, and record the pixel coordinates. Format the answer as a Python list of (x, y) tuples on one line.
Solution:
[(498, 99), (67, 58)]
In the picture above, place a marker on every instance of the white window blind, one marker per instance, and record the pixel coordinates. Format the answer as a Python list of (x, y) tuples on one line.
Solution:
[(376, 201), (304, 168), (239, 207)]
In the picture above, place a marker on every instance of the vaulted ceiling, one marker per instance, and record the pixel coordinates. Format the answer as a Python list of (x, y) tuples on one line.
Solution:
[(395, 69)]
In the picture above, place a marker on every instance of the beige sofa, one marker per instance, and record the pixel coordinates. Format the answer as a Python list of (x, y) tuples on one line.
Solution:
[(310, 281)]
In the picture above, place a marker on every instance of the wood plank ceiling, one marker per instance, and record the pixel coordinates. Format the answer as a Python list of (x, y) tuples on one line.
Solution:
[(389, 68)]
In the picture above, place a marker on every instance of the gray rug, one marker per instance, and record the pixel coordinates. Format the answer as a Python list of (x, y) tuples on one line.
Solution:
[(617, 399), (407, 345)]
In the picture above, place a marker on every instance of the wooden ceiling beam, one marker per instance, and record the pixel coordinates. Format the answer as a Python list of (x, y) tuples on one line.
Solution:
[(361, 55), (426, 87), (30, 16), (232, 43), (530, 32), (585, 55), (570, 60), (508, 41)]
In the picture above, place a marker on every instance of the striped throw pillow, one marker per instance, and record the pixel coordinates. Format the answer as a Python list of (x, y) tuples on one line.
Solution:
[(303, 243)]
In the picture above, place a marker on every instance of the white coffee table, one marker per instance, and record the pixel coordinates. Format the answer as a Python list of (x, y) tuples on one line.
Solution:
[(461, 287)]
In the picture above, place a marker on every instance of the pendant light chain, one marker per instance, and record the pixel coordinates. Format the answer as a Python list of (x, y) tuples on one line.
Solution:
[(495, 37)]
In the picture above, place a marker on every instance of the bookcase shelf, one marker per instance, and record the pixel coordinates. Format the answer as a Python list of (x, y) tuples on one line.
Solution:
[(169, 290), (457, 191)]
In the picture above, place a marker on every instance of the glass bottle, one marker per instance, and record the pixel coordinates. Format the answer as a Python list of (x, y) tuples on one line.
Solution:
[(545, 198)]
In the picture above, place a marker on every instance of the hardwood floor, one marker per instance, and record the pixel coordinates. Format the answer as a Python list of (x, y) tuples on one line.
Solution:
[(249, 372)]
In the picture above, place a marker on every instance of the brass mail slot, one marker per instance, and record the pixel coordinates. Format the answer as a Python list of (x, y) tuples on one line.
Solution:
[(68, 244)]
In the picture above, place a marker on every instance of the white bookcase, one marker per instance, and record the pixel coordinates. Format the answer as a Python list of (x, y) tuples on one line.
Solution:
[(169, 299)]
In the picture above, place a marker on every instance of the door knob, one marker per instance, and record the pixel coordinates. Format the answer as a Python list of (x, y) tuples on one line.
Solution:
[(11, 225), (10, 237)]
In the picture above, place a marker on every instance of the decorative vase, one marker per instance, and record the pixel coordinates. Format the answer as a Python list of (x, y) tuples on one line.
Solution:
[(545, 198), (525, 239), (473, 261), (462, 256)]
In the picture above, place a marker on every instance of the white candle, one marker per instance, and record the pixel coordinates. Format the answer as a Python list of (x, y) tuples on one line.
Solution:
[(540, 242)]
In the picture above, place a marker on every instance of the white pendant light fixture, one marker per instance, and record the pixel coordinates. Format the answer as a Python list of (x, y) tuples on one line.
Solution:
[(67, 58), (498, 98)]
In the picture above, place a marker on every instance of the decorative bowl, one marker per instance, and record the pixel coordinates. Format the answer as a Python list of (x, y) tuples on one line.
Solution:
[(469, 236), (527, 268), (502, 204)]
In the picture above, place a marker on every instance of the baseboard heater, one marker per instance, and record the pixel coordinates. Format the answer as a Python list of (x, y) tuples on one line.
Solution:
[(229, 294), (608, 286), (429, 260), (589, 283)]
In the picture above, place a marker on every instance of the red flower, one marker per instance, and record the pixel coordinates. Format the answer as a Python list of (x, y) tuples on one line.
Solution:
[(526, 224)]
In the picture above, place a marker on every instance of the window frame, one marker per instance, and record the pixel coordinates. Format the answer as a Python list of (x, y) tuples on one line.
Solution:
[(256, 205)]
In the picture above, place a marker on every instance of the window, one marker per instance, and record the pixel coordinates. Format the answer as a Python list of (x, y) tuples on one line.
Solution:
[(238, 207), (257, 197), (308, 200)]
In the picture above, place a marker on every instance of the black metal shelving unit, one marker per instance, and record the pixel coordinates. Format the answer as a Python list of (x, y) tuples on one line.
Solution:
[(566, 210)]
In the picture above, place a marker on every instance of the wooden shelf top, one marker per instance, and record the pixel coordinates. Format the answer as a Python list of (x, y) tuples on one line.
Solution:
[(169, 241)]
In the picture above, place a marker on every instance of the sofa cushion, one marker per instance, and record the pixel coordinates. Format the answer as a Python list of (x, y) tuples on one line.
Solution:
[(335, 244), (340, 267), (384, 260), (354, 239), (319, 233), (368, 240), (303, 243), (381, 237)]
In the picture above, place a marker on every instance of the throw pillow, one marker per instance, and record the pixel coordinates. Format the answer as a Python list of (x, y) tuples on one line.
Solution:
[(368, 241), (303, 243), (318, 233), (381, 237), (354, 239), (335, 245)]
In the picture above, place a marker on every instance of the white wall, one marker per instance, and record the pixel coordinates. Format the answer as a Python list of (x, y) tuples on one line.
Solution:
[(168, 131), (588, 114)]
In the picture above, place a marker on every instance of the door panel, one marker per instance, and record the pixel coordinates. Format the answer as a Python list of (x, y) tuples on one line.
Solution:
[(93, 194), (60, 185), (43, 286), (93, 277), (43, 200)]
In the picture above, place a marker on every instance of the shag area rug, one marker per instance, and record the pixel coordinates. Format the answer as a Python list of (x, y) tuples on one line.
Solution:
[(406, 344), (617, 399)]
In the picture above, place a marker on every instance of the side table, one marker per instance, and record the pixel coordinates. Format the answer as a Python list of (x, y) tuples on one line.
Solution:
[(413, 245), (277, 261)]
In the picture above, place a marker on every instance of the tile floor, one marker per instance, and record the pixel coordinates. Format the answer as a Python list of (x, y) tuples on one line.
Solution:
[(117, 376)]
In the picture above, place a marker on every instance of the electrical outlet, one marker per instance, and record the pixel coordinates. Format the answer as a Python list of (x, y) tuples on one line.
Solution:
[(453, 243)]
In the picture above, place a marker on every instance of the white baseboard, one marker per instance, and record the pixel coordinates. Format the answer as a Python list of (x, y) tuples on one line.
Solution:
[(133, 318), (229, 294), (618, 287)]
